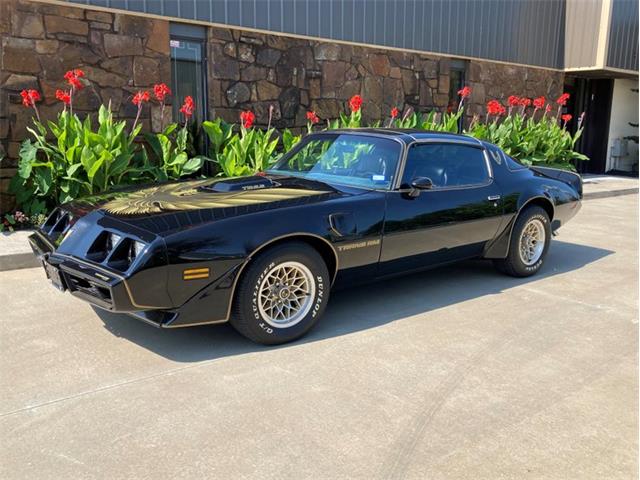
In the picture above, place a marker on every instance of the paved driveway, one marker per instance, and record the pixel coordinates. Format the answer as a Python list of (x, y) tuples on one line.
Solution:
[(456, 373)]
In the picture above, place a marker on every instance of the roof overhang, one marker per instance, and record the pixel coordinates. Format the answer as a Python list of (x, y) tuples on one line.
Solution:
[(601, 73)]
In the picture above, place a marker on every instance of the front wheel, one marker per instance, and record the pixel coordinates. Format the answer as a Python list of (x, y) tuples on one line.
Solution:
[(282, 294), (529, 244)]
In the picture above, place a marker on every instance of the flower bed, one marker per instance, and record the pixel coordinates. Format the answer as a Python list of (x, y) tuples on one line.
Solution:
[(70, 158)]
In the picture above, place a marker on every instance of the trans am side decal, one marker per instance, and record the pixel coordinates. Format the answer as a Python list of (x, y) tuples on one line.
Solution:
[(187, 196), (352, 246)]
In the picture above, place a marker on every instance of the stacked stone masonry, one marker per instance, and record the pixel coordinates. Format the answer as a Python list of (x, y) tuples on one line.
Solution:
[(123, 53)]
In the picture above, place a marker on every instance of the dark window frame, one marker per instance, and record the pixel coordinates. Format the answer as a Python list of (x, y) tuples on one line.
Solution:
[(195, 34), (459, 66)]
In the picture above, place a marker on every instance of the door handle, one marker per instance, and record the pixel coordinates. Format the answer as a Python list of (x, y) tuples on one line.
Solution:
[(493, 198)]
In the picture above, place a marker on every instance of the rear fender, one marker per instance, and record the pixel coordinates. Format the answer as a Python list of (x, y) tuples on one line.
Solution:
[(499, 247)]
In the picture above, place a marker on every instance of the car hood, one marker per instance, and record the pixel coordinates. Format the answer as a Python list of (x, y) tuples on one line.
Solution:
[(166, 207)]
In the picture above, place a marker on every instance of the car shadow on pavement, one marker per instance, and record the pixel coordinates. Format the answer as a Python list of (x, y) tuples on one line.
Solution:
[(356, 309)]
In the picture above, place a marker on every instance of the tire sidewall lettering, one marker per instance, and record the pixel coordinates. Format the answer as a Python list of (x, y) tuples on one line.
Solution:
[(319, 296)]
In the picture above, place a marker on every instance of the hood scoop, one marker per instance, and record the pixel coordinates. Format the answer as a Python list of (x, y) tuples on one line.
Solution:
[(241, 184)]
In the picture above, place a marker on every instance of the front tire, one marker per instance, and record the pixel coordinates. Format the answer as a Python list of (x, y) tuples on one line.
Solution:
[(529, 244), (282, 294)]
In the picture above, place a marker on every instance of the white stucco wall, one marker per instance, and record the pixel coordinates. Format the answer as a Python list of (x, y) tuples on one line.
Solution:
[(624, 109)]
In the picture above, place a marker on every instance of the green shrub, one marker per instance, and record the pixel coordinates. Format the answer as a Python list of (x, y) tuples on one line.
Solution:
[(67, 158), (533, 142), (170, 151), (79, 162)]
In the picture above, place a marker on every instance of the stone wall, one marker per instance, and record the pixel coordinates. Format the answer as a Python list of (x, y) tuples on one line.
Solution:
[(246, 70), (252, 71)]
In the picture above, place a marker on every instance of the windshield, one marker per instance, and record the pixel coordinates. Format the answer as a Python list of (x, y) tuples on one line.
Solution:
[(358, 160)]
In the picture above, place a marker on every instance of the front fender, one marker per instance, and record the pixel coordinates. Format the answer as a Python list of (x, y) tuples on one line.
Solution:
[(226, 246)]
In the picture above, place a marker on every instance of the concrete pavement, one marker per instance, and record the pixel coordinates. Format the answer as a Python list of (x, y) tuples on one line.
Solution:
[(455, 373)]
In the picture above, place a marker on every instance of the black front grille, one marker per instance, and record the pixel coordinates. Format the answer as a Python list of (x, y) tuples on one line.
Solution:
[(95, 290)]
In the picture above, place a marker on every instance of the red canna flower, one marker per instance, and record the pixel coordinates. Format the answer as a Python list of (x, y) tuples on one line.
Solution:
[(513, 100), (187, 107), (247, 118), (394, 112), (539, 102), (465, 92), (312, 117), (138, 99), (141, 96), (63, 96), (562, 99), (30, 97), (566, 117), (494, 107), (73, 78), (160, 91), (355, 103), (547, 109), (502, 110), (524, 102)]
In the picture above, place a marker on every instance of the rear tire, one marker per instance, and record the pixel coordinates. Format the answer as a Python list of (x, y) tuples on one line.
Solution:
[(529, 244), (282, 294)]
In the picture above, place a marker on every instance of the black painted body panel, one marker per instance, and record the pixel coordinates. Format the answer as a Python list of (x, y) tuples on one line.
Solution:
[(363, 234)]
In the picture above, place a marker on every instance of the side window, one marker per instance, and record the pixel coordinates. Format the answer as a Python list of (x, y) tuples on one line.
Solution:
[(447, 165)]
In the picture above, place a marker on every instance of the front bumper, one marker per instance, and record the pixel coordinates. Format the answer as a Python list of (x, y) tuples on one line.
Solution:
[(96, 285), (110, 291)]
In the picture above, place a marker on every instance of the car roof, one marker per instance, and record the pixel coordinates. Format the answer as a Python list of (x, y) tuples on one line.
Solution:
[(407, 135)]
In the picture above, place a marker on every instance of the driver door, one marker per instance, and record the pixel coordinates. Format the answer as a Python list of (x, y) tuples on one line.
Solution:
[(451, 221)]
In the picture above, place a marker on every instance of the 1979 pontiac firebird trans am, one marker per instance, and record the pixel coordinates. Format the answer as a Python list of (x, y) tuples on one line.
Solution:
[(340, 208)]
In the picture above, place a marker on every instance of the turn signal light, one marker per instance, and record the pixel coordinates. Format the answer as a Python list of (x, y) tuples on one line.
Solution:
[(195, 273)]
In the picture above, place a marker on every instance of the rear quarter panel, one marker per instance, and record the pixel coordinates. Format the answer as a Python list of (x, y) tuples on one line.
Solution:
[(522, 186)]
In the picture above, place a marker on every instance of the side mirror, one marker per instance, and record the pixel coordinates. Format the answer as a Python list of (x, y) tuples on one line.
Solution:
[(418, 184)]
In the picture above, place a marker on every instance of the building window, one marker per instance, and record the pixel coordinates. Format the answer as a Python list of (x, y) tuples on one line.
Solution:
[(457, 69), (188, 68)]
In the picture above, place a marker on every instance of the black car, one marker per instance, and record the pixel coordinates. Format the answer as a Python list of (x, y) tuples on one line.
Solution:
[(341, 208)]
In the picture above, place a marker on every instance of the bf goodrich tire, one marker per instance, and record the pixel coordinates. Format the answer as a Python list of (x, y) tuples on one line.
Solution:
[(529, 244), (282, 294)]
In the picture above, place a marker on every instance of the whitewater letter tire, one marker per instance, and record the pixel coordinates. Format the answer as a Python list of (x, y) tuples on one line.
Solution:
[(282, 294), (529, 244)]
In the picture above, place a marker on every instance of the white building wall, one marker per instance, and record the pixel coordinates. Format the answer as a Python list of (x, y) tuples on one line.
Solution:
[(624, 110)]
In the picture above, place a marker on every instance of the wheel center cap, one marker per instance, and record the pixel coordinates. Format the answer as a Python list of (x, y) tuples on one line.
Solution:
[(284, 293)]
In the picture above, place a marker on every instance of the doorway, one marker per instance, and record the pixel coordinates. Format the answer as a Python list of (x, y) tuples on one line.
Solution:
[(592, 96)]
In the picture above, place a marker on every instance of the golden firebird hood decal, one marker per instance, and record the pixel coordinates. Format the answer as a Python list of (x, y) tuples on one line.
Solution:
[(186, 196)]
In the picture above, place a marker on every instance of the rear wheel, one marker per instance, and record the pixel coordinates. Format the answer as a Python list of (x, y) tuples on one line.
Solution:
[(282, 294), (530, 240)]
